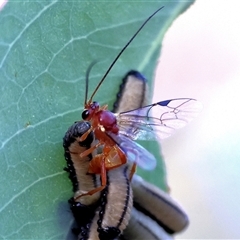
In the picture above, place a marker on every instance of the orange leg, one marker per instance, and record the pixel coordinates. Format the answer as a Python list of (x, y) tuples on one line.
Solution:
[(103, 173), (103, 181), (90, 150), (84, 136), (95, 190), (133, 170), (104, 107)]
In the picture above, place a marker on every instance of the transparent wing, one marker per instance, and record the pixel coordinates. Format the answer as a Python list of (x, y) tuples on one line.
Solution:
[(134, 152), (161, 118)]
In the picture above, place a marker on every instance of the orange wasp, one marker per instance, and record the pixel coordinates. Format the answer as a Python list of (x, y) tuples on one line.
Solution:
[(115, 132)]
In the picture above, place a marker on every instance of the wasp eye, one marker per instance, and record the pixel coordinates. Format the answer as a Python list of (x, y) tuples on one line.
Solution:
[(85, 114)]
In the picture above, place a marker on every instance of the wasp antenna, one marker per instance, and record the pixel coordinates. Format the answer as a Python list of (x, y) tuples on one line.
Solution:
[(123, 49), (87, 80)]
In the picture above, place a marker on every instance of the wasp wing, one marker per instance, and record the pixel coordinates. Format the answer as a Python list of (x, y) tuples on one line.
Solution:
[(134, 152), (161, 118)]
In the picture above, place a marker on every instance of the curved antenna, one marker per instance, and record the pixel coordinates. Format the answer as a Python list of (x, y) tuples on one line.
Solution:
[(120, 53), (87, 80)]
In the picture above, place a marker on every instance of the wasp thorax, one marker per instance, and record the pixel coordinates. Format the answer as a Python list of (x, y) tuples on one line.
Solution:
[(108, 120)]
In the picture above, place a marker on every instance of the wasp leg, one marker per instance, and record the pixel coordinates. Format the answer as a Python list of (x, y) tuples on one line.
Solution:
[(84, 136), (89, 150), (95, 190), (133, 170), (104, 107), (103, 177)]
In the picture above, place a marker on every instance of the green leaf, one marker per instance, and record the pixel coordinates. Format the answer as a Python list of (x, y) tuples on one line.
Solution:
[(45, 49)]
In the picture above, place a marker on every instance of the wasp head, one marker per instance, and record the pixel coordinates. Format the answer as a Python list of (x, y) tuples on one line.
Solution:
[(90, 110)]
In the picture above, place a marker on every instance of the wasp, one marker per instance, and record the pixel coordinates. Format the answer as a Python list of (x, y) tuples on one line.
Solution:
[(115, 132)]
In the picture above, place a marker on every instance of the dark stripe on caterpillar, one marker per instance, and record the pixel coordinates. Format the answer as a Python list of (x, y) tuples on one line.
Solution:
[(132, 92), (116, 204), (83, 209), (72, 133), (142, 227), (166, 212)]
